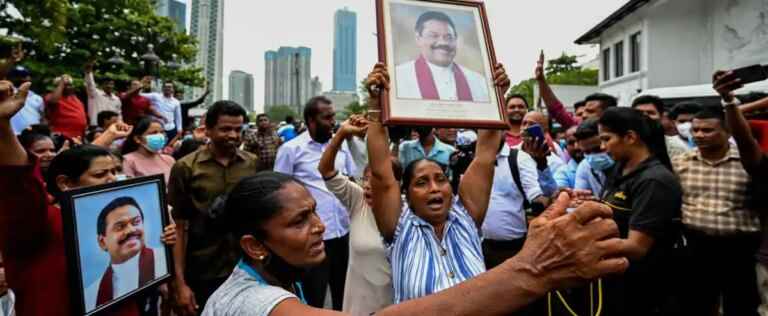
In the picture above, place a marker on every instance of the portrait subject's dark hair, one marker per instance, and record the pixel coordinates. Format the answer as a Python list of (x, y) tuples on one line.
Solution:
[(101, 222), (226, 108), (433, 15)]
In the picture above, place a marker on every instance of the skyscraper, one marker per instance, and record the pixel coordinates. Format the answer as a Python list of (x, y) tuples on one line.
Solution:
[(241, 89), (207, 26), (345, 50), (287, 79), (317, 86), (174, 9)]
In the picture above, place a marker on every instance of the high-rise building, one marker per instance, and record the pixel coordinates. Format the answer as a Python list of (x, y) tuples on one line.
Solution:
[(345, 50), (287, 79), (317, 86), (241, 89), (174, 9), (207, 26)]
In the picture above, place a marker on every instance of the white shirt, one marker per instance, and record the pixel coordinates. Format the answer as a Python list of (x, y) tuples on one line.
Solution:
[(170, 108), (125, 278), (505, 219), (99, 101), (300, 158), (408, 85)]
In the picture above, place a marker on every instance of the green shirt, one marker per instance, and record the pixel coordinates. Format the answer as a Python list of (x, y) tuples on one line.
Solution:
[(196, 189)]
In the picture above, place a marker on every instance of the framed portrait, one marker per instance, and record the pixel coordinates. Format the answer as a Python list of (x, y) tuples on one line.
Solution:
[(440, 60), (113, 235)]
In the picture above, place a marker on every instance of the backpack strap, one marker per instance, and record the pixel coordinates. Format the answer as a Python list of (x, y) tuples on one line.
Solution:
[(515, 169)]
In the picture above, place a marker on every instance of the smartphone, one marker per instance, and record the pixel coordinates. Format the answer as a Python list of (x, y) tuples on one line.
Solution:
[(751, 74), (535, 131)]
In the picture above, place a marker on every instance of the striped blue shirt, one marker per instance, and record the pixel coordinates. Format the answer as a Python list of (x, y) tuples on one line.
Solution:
[(422, 265)]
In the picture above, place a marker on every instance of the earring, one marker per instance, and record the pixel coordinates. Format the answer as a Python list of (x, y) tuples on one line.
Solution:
[(261, 258)]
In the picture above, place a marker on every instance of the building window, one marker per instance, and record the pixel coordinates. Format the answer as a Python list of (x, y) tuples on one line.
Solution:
[(618, 50), (607, 64), (635, 45)]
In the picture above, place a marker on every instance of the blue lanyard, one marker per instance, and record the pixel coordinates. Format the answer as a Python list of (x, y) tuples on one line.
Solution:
[(248, 269)]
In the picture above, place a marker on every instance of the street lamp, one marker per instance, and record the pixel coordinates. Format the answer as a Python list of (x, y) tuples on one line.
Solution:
[(150, 60), (173, 64)]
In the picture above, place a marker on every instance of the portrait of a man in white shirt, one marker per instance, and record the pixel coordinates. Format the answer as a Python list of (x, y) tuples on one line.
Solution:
[(120, 230), (434, 74)]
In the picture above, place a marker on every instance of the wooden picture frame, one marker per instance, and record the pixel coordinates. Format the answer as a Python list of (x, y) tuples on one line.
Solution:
[(126, 238), (415, 97)]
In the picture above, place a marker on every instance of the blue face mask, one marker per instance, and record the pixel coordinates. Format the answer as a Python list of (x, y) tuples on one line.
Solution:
[(155, 142), (187, 137), (600, 162)]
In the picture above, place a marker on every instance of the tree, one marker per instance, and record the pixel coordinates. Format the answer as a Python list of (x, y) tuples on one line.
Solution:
[(562, 70), (354, 108), (60, 36), (278, 113)]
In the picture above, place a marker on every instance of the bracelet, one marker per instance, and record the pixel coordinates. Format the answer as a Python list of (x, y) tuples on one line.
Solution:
[(374, 111), (734, 102)]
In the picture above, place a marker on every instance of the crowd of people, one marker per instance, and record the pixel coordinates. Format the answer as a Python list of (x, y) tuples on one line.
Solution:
[(653, 209)]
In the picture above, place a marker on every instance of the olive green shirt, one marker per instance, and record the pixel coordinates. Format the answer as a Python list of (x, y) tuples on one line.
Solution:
[(197, 186)]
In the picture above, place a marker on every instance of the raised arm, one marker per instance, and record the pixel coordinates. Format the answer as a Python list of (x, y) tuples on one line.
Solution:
[(327, 165), (386, 190), (749, 150), (476, 183), (560, 251), (554, 106), (758, 105), (11, 151), (53, 99), (90, 82)]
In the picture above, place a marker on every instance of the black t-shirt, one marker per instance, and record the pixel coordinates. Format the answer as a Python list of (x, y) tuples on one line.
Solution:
[(648, 199)]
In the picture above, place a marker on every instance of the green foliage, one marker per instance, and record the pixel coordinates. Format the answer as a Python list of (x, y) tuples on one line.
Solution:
[(60, 36), (278, 113), (354, 108), (524, 88), (562, 70)]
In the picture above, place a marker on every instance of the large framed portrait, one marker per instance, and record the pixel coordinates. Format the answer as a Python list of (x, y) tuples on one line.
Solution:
[(114, 249), (440, 60)]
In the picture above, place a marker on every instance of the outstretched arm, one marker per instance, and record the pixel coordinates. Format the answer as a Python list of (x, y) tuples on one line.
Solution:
[(561, 251), (749, 150), (554, 106), (476, 183), (386, 190), (11, 151)]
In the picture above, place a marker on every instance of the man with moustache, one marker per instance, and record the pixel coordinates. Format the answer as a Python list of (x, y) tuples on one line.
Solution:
[(517, 107), (300, 157), (197, 189), (434, 75), (120, 229)]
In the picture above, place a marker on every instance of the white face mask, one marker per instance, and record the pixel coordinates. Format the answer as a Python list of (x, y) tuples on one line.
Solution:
[(684, 130)]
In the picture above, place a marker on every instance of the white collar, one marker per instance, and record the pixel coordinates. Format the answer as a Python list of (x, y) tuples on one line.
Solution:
[(128, 266), (443, 71)]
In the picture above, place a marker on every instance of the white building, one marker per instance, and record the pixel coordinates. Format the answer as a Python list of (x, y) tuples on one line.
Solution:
[(651, 44), (207, 25)]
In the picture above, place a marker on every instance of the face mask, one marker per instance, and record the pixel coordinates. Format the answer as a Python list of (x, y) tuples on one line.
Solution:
[(684, 130), (563, 144), (600, 162), (121, 177), (155, 142), (187, 137)]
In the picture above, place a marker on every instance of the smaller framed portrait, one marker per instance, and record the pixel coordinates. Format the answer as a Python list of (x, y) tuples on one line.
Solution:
[(114, 247), (440, 60)]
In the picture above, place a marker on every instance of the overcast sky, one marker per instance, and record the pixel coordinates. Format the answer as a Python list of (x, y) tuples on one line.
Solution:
[(518, 28)]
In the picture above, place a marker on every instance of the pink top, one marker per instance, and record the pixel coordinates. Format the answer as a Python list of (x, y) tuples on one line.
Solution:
[(136, 164)]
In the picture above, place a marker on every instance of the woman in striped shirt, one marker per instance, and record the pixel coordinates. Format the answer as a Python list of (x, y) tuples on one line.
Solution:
[(433, 241)]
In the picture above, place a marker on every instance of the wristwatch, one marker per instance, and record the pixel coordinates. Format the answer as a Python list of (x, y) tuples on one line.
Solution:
[(734, 102)]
